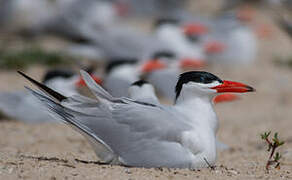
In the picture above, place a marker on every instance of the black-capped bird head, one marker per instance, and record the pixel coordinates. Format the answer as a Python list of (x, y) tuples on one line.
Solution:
[(163, 21), (117, 62), (167, 54), (200, 83), (142, 90), (57, 73)]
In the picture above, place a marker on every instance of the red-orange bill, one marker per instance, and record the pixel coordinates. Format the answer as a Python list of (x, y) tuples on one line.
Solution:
[(191, 63), (214, 47), (152, 65), (228, 97), (235, 87)]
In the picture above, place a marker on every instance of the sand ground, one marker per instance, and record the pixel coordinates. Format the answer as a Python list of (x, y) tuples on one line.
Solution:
[(55, 151)]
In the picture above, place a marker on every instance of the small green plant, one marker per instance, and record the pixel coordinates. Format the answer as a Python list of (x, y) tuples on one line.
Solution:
[(272, 146)]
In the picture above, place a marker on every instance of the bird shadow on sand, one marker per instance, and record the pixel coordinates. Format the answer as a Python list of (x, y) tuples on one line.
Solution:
[(58, 160)]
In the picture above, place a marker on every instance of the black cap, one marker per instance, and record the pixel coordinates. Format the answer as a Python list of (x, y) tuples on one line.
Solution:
[(55, 73), (163, 54), (162, 21), (115, 62), (139, 83), (195, 76)]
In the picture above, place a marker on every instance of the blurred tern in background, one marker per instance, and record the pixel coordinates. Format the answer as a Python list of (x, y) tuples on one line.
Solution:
[(122, 72), (22, 106), (164, 79), (143, 91), (237, 39), (140, 134), (153, 8), (179, 42)]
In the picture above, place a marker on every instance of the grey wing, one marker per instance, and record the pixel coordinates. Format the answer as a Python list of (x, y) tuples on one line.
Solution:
[(153, 137), (164, 81), (79, 121), (140, 135)]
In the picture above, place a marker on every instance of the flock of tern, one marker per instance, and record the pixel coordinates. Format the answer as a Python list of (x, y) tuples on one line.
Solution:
[(125, 121)]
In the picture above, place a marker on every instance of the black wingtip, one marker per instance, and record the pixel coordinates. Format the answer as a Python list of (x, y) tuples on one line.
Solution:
[(43, 87)]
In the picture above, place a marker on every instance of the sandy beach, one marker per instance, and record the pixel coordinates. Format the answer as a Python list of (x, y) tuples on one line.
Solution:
[(54, 151)]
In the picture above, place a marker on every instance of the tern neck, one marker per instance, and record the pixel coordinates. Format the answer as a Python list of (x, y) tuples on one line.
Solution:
[(189, 94), (198, 109)]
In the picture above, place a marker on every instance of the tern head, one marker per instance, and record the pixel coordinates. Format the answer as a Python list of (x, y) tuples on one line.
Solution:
[(141, 88), (57, 73), (194, 31), (245, 14), (214, 47), (191, 63), (159, 60), (66, 80), (118, 62), (164, 54), (200, 83), (165, 21)]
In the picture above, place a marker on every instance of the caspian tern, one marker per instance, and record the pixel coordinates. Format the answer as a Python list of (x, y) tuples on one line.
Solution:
[(18, 105), (122, 72), (165, 78), (143, 91), (62, 17), (179, 41), (238, 40), (153, 8), (139, 134)]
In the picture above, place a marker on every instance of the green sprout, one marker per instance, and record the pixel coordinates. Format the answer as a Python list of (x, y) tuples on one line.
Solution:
[(272, 146), (277, 156), (265, 135)]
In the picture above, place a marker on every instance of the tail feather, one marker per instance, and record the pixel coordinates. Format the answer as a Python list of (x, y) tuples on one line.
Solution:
[(67, 116), (43, 87)]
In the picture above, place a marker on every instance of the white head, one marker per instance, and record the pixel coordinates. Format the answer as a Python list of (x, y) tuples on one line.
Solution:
[(203, 84), (123, 67), (142, 90)]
